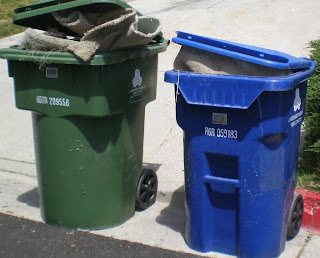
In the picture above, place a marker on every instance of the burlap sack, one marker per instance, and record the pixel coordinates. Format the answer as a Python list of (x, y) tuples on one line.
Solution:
[(74, 21), (196, 60), (112, 15), (140, 33), (115, 23), (35, 41), (120, 28)]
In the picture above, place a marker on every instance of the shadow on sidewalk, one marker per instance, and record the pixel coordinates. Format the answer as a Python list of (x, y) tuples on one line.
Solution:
[(31, 198), (173, 216)]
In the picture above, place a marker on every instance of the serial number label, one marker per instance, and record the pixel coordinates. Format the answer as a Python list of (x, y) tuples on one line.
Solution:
[(62, 102), (221, 133)]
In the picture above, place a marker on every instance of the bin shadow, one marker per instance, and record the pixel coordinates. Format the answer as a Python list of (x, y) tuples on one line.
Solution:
[(31, 198), (173, 216)]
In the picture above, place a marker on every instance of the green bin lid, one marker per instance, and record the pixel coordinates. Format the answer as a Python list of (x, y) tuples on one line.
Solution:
[(38, 16)]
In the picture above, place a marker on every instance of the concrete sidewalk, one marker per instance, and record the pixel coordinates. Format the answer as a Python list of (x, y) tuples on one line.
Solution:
[(284, 25)]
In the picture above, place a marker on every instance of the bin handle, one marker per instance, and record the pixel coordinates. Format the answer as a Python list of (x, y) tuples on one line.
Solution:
[(221, 184)]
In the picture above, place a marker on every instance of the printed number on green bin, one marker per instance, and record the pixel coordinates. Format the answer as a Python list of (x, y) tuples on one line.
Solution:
[(53, 101)]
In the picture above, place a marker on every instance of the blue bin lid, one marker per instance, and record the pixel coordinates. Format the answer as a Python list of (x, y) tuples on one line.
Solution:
[(257, 55)]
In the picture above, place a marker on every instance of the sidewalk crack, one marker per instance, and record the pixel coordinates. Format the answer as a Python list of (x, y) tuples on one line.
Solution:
[(17, 173), (19, 161), (306, 241)]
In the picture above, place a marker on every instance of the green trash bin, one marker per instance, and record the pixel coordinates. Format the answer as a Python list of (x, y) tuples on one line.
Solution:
[(88, 122)]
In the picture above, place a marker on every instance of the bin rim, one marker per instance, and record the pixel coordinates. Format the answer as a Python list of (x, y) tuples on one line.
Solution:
[(107, 58), (61, 5), (36, 15), (252, 54), (199, 88)]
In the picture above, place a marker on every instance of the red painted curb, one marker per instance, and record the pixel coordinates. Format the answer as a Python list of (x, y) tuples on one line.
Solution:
[(311, 214)]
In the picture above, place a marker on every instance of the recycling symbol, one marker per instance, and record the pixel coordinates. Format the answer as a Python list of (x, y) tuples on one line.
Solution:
[(137, 80), (297, 101)]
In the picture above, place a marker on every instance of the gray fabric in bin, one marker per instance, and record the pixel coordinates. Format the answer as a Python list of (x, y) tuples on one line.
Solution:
[(116, 23), (140, 33), (197, 60), (35, 41), (117, 29), (74, 21)]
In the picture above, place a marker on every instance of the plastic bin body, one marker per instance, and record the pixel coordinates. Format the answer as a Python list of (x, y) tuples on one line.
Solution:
[(88, 121), (241, 147), (240, 163)]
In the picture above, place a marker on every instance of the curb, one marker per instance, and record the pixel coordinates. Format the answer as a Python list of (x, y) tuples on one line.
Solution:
[(311, 214)]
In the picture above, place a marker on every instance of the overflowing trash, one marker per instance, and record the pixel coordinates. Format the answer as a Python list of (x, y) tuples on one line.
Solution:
[(117, 29)]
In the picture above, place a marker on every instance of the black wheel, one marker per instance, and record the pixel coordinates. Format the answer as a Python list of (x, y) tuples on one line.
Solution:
[(295, 216), (146, 189)]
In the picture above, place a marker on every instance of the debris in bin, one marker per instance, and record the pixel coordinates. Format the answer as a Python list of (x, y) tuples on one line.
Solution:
[(53, 32), (140, 33), (118, 29), (75, 21), (110, 29), (200, 61), (33, 40)]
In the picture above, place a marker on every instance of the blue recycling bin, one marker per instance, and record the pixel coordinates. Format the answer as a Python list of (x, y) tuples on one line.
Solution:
[(241, 147)]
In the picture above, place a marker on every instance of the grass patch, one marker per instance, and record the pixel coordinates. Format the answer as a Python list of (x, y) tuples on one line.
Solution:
[(309, 167), (308, 179), (6, 13)]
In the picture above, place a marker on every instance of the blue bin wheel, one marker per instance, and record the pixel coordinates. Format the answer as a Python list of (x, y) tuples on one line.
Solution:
[(146, 189), (295, 216)]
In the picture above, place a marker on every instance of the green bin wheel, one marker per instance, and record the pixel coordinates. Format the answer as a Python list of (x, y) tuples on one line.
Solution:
[(146, 189), (295, 216)]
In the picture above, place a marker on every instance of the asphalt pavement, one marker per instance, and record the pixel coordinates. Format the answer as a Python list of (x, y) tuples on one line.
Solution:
[(283, 25), (26, 238)]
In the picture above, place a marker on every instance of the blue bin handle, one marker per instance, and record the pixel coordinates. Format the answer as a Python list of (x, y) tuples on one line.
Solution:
[(221, 184), (261, 56)]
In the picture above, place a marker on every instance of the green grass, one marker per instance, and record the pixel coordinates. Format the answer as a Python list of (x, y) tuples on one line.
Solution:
[(309, 167), (307, 179), (6, 13)]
